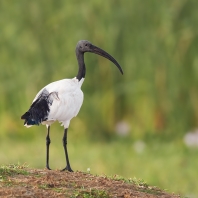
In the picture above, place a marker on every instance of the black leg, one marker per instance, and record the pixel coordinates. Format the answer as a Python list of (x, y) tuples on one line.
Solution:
[(48, 141), (68, 167)]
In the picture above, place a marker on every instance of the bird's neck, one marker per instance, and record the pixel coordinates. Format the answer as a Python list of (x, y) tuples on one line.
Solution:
[(81, 65)]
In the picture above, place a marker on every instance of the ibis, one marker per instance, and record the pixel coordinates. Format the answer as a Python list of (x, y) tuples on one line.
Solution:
[(61, 100)]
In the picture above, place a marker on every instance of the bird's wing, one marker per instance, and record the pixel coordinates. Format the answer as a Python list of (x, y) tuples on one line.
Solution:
[(40, 108), (60, 100)]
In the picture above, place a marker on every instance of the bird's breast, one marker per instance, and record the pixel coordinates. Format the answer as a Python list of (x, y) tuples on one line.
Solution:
[(66, 106)]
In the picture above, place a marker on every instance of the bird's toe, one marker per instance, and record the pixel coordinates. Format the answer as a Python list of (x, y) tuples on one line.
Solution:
[(48, 168), (67, 169)]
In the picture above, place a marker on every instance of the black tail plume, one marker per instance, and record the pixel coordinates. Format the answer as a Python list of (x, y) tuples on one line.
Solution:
[(37, 113)]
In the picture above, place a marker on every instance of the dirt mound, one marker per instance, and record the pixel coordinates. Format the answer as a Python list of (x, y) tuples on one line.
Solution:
[(44, 183)]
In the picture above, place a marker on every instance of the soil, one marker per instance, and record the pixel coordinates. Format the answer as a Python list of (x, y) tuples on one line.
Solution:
[(54, 183)]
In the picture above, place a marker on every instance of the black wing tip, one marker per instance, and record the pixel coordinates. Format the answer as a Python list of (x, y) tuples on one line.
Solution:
[(26, 115), (31, 122)]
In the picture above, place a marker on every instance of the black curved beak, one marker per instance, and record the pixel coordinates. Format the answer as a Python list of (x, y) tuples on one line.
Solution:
[(97, 50)]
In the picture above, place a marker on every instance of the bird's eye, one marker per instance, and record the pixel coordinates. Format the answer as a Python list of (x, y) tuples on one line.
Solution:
[(86, 44)]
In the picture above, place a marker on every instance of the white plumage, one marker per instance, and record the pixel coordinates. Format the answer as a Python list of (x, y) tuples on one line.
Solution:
[(67, 100), (61, 100)]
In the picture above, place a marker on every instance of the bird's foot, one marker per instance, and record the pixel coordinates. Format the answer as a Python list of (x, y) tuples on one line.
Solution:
[(47, 166), (67, 169)]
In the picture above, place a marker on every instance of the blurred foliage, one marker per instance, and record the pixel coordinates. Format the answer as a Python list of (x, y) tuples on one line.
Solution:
[(156, 43)]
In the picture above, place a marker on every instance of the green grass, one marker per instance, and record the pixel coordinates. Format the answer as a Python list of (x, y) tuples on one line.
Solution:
[(138, 182), (93, 193), (11, 170), (168, 165)]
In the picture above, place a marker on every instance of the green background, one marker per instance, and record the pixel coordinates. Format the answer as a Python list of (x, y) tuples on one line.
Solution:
[(132, 125)]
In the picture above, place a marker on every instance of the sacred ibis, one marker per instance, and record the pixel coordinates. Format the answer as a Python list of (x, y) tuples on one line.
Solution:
[(62, 100)]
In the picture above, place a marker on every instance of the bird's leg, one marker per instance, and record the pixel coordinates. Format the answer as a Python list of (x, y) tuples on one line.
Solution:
[(48, 141), (68, 167)]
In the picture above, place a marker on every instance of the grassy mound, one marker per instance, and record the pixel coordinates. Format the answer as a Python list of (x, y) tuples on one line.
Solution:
[(21, 181)]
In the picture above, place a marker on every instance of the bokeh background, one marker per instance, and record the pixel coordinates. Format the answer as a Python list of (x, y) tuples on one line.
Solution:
[(140, 125)]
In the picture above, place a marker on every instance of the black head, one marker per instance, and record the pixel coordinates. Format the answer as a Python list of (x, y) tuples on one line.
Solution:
[(86, 46), (83, 46)]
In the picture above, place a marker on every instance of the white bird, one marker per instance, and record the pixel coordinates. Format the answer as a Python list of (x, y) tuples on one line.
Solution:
[(62, 100)]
